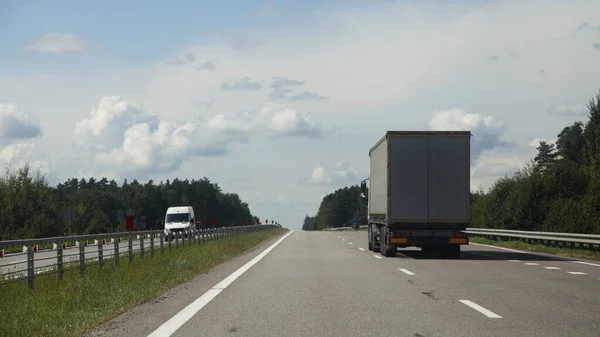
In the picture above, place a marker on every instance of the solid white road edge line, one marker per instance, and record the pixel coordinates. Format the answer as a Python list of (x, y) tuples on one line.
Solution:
[(534, 253), (177, 321), (406, 271), (480, 309), (507, 249), (587, 263)]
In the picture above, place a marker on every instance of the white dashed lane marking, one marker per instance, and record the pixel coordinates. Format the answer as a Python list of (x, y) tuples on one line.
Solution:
[(481, 309), (514, 261), (576, 273), (361, 248), (406, 271), (531, 264), (553, 268), (377, 256), (350, 243)]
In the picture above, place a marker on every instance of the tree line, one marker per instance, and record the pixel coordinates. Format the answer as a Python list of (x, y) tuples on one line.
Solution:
[(557, 191), (30, 208)]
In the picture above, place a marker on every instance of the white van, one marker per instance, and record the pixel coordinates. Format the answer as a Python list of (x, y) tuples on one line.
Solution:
[(179, 219)]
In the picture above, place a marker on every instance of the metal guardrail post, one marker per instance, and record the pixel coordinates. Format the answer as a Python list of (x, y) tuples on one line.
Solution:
[(162, 245), (142, 245), (151, 245), (116, 247), (176, 241), (81, 258), (30, 267), (59, 262), (130, 248), (100, 254), (169, 239)]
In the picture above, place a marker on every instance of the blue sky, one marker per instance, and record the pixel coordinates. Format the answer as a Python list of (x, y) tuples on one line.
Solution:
[(495, 68), (138, 32)]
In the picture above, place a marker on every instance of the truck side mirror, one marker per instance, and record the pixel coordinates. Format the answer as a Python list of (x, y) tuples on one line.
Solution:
[(363, 187)]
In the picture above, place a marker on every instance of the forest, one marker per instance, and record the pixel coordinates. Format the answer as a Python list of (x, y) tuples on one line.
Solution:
[(30, 208), (558, 191)]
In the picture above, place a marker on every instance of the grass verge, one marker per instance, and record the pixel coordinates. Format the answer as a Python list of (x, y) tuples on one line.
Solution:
[(564, 252), (79, 303)]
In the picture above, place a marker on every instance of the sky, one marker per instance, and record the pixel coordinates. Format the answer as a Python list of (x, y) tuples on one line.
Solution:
[(280, 101)]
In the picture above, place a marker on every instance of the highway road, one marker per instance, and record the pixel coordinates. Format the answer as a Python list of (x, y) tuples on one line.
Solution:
[(328, 284)]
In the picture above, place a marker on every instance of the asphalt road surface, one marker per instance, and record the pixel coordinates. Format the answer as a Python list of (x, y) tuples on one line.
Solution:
[(328, 284)]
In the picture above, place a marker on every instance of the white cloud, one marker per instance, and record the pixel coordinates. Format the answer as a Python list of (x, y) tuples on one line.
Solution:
[(18, 155), (534, 143), (487, 132), (207, 65), (243, 84), (568, 109), (67, 43), (16, 124), (338, 175), (281, 89), (130, 139)]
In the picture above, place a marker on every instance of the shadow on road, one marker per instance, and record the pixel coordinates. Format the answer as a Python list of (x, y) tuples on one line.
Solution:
[(479, 255)]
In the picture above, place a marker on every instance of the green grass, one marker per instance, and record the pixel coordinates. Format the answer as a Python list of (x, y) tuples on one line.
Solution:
[(520, 245), (79, 303)]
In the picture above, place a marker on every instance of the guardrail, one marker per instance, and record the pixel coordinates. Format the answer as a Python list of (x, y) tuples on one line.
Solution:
[(69, 252), (344, 228), (563, 240), (553, 239)]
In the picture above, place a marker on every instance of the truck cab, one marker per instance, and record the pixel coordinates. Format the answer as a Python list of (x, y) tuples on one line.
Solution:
[(179, 220)]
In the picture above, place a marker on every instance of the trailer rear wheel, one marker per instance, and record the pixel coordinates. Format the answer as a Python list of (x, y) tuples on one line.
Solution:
[(390, 251), (386, 250)]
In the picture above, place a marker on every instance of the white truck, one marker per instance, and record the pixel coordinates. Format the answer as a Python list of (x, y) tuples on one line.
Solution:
[(419, 192), (179, 220)]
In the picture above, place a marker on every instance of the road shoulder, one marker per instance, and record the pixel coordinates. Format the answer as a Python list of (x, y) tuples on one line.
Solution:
[(146, 317)]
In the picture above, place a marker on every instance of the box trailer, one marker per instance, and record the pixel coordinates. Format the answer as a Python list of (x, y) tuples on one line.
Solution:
[(419, 191)]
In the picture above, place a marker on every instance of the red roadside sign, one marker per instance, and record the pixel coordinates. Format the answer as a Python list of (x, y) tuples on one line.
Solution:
[(213, 221), (243, 221), (130, 223)]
